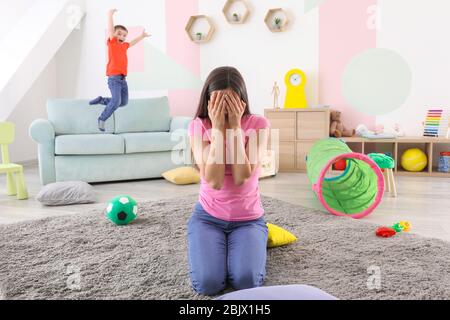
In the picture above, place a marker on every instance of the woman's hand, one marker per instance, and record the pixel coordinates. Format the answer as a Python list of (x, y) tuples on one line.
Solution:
[(235, 108), (216, 110)]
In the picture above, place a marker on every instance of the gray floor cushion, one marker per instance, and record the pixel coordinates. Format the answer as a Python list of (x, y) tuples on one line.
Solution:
[(65, 193)]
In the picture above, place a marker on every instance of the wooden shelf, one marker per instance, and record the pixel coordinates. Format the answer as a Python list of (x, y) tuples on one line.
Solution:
[(236, 11), (399, 140), (436, 173), (193, 32), (402, 172), (427, 144), (273, 14), (299, 129)]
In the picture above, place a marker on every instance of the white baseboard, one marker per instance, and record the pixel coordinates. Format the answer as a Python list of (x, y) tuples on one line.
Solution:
[(29, 163)]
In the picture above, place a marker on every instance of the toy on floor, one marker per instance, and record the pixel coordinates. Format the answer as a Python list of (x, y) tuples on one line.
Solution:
[(357, 191), (414, 160), (387, 232), (340, 165), (122, 210)]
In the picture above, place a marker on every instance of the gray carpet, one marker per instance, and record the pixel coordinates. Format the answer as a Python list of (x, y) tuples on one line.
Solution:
[(147, 260)]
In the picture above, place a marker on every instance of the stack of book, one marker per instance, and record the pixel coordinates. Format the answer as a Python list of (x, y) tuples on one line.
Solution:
[(437, 123)]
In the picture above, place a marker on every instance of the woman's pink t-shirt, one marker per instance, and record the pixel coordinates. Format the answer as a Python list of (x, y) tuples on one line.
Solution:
[(231, 202)]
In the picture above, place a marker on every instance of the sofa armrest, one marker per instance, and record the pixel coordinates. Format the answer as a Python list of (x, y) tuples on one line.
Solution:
[(179, 123), (179, 133), (42, 131)]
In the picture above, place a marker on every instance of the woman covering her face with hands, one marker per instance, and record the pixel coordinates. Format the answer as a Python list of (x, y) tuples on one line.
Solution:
[(227, 234)]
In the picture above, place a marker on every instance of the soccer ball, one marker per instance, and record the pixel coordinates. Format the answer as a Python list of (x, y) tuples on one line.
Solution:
[(121, 210)]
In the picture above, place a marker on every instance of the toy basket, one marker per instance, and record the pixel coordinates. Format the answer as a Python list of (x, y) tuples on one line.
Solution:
[(444, 162)]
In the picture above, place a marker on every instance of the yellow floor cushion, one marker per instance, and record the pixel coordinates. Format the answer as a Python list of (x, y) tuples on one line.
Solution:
[(182, 175), (278, 236)]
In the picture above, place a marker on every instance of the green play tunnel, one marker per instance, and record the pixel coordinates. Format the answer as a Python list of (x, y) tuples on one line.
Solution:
[(357, 191)]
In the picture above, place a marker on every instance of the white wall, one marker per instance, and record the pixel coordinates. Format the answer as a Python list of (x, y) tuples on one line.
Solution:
[(10, 13), (32, 107), (262, 56), (82, 59), (418, 30), (33, 79)]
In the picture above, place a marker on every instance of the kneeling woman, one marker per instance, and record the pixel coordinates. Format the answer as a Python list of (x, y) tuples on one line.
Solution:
[(227, 234)]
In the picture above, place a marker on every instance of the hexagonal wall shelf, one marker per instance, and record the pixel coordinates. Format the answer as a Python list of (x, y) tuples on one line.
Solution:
[(200, 28), (236, 11), (276, 20)]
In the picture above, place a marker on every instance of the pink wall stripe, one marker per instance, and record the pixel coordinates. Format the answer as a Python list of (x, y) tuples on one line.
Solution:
[(343, 34), (182, 50), (136, 56)]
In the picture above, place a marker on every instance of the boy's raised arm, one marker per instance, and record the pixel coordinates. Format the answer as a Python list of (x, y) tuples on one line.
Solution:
[(140, 38), (111, 23)]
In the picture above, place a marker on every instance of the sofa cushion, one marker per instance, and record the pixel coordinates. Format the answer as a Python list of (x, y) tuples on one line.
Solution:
[(89, 144), (143, 115), (149, 142), (72, 116)]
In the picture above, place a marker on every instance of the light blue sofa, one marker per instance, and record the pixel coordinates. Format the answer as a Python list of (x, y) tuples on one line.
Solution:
[(141, 141)]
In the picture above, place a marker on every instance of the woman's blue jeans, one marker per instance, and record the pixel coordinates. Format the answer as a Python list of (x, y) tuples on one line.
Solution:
[(221, 251)]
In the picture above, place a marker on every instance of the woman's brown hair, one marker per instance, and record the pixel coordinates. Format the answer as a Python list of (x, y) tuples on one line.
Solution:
[(220, 79)]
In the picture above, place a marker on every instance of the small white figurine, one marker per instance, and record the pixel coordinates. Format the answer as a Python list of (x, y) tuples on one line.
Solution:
[(275, 93)]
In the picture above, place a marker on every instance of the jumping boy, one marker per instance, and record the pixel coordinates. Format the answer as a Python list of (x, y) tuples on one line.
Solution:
[(116, 69)]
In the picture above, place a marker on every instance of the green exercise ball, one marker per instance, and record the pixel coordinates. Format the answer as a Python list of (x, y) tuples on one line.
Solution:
[(121, 210)]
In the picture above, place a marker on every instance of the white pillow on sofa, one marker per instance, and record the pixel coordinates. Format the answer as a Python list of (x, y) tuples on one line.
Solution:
[(65, 193)]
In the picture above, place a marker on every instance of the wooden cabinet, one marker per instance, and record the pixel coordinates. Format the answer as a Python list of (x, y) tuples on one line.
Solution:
[(302, 152), (287, 155), (298, 129), (312, 125), (285, 123)]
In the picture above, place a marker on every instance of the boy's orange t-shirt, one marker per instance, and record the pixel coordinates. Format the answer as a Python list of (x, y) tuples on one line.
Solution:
[(117, 57)]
